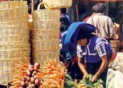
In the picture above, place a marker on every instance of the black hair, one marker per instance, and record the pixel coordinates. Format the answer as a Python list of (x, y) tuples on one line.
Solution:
[(84, 33), (99, 8), (63, 10), (64, 23)]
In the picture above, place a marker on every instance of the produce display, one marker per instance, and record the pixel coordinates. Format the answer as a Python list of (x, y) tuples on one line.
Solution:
[(69, 83), (26, 76), (52, 75), (86, 83)]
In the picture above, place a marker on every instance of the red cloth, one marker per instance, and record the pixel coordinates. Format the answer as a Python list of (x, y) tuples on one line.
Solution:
[(112, 57)]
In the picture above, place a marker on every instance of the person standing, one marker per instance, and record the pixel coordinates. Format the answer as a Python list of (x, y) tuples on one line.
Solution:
[(103, 23)]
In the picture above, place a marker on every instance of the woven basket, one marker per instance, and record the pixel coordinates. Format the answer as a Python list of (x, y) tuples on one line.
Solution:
[(6, 70), (54, 34), (5, 46), (14, 30), (45, 45), (43, 57), (46, 25), (22, 24), (17, 14), (58, 3), (46, 14), (14, 42), (14, 38), (8, 67), (46, 37), (16, 53), (12, 4)]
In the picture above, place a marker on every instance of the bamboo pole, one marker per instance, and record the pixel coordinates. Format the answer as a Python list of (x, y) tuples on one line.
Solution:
[(32, 6), (77, 14)]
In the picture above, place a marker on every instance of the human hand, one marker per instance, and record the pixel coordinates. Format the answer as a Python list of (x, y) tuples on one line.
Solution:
[(85, 76), (94, 78)]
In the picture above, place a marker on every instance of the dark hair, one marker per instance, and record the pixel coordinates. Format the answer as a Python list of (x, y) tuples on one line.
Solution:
[(99, 8), (64, 24), (63, 10), (84, 33)]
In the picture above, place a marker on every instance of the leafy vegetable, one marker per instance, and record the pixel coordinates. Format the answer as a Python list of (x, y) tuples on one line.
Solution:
[(89, 84), (68, 82)]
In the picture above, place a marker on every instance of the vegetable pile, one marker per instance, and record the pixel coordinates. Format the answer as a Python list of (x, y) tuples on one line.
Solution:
[(86, 83), (51, 75), (26, 76), (69, 82)]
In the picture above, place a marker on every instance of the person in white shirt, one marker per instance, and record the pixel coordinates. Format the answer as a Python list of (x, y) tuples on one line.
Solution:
[(103, 23)]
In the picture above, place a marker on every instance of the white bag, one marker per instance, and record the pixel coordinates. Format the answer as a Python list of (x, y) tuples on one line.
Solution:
[(114, 79), (118, 80)]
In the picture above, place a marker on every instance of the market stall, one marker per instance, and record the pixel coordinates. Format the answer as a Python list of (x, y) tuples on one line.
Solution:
[(35, 63)]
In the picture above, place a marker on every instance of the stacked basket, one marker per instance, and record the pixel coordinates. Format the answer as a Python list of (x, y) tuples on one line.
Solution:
[(14, 37), (45, 35)]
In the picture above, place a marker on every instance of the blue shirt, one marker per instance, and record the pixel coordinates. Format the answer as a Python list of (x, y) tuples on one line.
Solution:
[(96, 48)]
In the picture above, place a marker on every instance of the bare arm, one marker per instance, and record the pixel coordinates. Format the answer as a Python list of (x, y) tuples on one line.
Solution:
[(82, 67), (103, 66)]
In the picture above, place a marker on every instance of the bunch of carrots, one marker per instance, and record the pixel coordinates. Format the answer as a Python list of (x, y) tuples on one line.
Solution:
[(51, 75)]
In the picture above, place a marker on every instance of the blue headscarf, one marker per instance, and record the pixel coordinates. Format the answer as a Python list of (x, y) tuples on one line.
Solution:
[(74, 29), (69, 40)]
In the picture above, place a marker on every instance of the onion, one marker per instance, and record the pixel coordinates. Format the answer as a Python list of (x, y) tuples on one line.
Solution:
[(37, 82), (22, 83), (24, 79), (34, 72), (31, 68), (35, 76), (26, 83), (33, 85), (28, 73), (36, 66), (32, 80)]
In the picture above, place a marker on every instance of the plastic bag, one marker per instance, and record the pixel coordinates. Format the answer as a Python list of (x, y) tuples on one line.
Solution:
[(114, 79)]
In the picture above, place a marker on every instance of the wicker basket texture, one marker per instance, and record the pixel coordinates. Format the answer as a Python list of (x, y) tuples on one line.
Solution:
[(58, 3), (7, 69), (45, 35), (14, 38), (17, 14), (12, 4), (46, 15), (46, 25), (43, 57)]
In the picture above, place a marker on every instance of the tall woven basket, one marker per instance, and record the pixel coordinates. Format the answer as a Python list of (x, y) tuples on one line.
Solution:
[(45, 34), (58, 3), (14, 38), (7, 69)]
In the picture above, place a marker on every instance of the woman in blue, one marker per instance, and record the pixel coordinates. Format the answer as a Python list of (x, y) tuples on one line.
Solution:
[(95, 52), (92, 51)]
